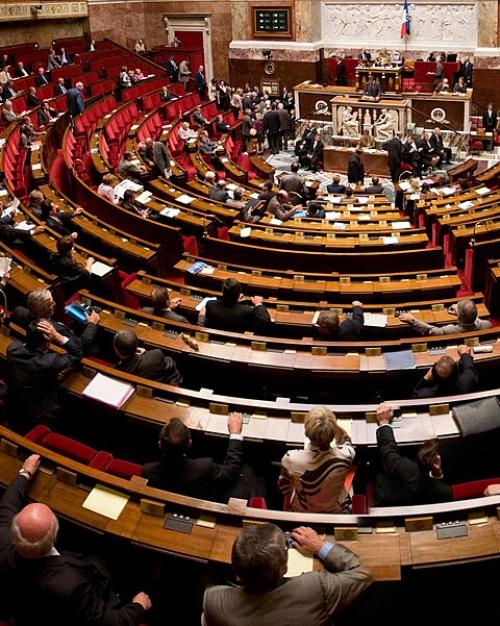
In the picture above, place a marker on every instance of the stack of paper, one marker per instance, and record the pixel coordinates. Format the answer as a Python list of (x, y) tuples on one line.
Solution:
[(482, 191), (184, 199), (390, 240), (298, 563), (245, 232), (375, 320), (108, 390), (24, 226), (466, 205), (5, 263), (400, 225), (170, 212), (106, 501), (144, 197), (125, 185), (100, 269)]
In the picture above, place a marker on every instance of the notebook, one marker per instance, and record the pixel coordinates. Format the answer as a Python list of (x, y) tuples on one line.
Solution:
[(100, 269), (108, 390), (399, 360)]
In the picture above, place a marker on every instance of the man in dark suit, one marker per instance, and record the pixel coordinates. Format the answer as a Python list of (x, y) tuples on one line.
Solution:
[(163, 306), (41, 306), (60, 221), (490, 119), (60, 87), (198, 118), (221, 126), (155, 154), (9, 91), (375, 187), (355, 168), (263, 596), (219, 192), (330, 327), (335, 186), (436, 142), (74, 98), (246, 127), (404, 481), (172, 70), (151, 364), (43, 585), (201, 83), (394, 149), (340, 78), (41, 78), (372, 88), (272, 128), (201, 477), (45, 114), (231, 314), (33, 372), (313, 159), (294, 183), (466, 71), (21, 71), (447, 377)]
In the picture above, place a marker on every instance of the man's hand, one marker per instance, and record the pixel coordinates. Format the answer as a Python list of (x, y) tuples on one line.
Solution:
[(142, 599), (452, 310), (407, 318), (93, 317), (37, 230), (140, 350), (306, 540), (49, 331), (385, 413), (74, 236), (175, 303), (428, 374), (357, 303), (492, 490), (32, 463), (257, 300), (235, 423), (463, 349), (78, 210)]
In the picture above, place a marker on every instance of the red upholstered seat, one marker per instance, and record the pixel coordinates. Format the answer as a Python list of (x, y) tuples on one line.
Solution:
[(38, 434), (472, 489), (101, 460), (123, 469), (258, 502), (70, 447)]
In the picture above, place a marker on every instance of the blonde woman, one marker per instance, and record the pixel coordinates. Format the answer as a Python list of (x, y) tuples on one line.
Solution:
[(314, 478), (106, 188)]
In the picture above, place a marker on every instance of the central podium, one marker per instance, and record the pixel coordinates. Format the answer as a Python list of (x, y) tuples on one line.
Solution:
[(389, 77)]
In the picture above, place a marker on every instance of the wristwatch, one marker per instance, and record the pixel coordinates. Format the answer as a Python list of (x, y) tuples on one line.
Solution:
[(26, 473)]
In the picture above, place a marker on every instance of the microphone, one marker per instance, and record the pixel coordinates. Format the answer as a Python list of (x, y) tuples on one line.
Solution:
[(473, 238)]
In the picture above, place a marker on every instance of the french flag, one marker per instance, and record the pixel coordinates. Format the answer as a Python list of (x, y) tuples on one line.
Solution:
[(405, 25)]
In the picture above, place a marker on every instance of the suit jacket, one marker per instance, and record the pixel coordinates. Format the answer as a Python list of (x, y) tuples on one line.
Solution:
[(466, 72), (246, 125), (152, 364), (372, 90), (172, 71), (349, 329), (341, 78), (284, 116), (62, 223), (41, 80), (293, 183), (436, 142), (199, 478), (200, 81), (33, 378), (160, 156), (81, 344), (73, 275), (75, 102), (21, 73), (464, 382), (59, 90), (237, 318), (44, 117), (218, 194), (333, 188), (272, 122), (309, 600), (167, 314), (374, 189), (394, 149), (8, 93), (58, 590), (404, 481), (223, 127), (355, 169), (490, 121), (317, 151)]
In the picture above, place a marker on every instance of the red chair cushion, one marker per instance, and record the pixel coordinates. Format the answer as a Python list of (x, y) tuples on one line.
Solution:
[(70, 447), (38, 433), (124, 469), (472, 489), (101, 461)]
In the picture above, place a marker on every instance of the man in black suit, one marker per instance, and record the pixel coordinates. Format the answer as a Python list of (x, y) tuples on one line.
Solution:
[(221, 126), (163, 306), (372, 88), (335, 186), (60, 221), (355, 168), (41, 306), (201, 83), (60, 87), (314, 157), (340, 78), (43, 585), (375, 187), (33, 372), (45, 114), (436, 142), (41, 78), (394, 149), (404, 481), (151, 364), (219, 192), (330, 327), (272, 127), (231, 314), (172, 70), (490, 119), (202, 477), (74, 98), (9, 91), (466, 71), (447, 377), (21, 71)]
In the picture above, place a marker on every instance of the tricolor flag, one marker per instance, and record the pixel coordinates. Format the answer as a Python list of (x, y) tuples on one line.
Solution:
[(405, 25)]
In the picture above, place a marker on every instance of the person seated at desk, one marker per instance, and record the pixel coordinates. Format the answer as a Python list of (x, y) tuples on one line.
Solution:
[(61, 221), (302, 145), (267, 192), (349, 193), (294, 183), (364, 57), (411, 155), (129, 202), (130, 168), (280, 207), (166, 95), (404, 481), (198, 118), (366, 140), (375, 188), (448, 377), (313, 158), (73, 276), (335, 186), (186, 132), (314, 477), (467, 321), (45, 114), (263, 596), (383, 58), (32, 99), (163, 306), (221, 126), (107, 188), (27, 132), (330, 327), (202, 477), (460, 86), (233, 313), (219, 192), (237, 201), (315, 209), (8, 115), (150, 364), (442, 87), (21, 71), (372, 88), (428, 156), (356, 168), (209, 148), (440, 149)]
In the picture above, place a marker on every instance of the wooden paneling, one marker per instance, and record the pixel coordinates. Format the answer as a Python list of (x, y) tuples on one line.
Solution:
[(287, 73)]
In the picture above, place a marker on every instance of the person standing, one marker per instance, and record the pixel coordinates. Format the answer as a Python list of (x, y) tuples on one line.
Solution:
[(74, 99), (201, 83), (356, 169), (272, 128), (394, 149), (184, 74)]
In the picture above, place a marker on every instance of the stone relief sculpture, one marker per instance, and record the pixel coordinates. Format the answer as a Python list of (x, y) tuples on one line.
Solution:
[(386, 124), (350, 124)]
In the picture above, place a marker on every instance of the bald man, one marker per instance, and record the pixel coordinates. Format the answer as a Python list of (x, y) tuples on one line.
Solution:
[(448, 377), (44, 586)]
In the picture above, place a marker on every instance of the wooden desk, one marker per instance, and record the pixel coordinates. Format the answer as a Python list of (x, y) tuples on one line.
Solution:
[(390, 77), (336, 159)]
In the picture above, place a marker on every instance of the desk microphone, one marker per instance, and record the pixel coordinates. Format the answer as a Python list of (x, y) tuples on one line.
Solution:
[(473, 238)]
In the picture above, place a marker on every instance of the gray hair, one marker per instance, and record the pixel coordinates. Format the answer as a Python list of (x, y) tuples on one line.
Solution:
[(37, 549)]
